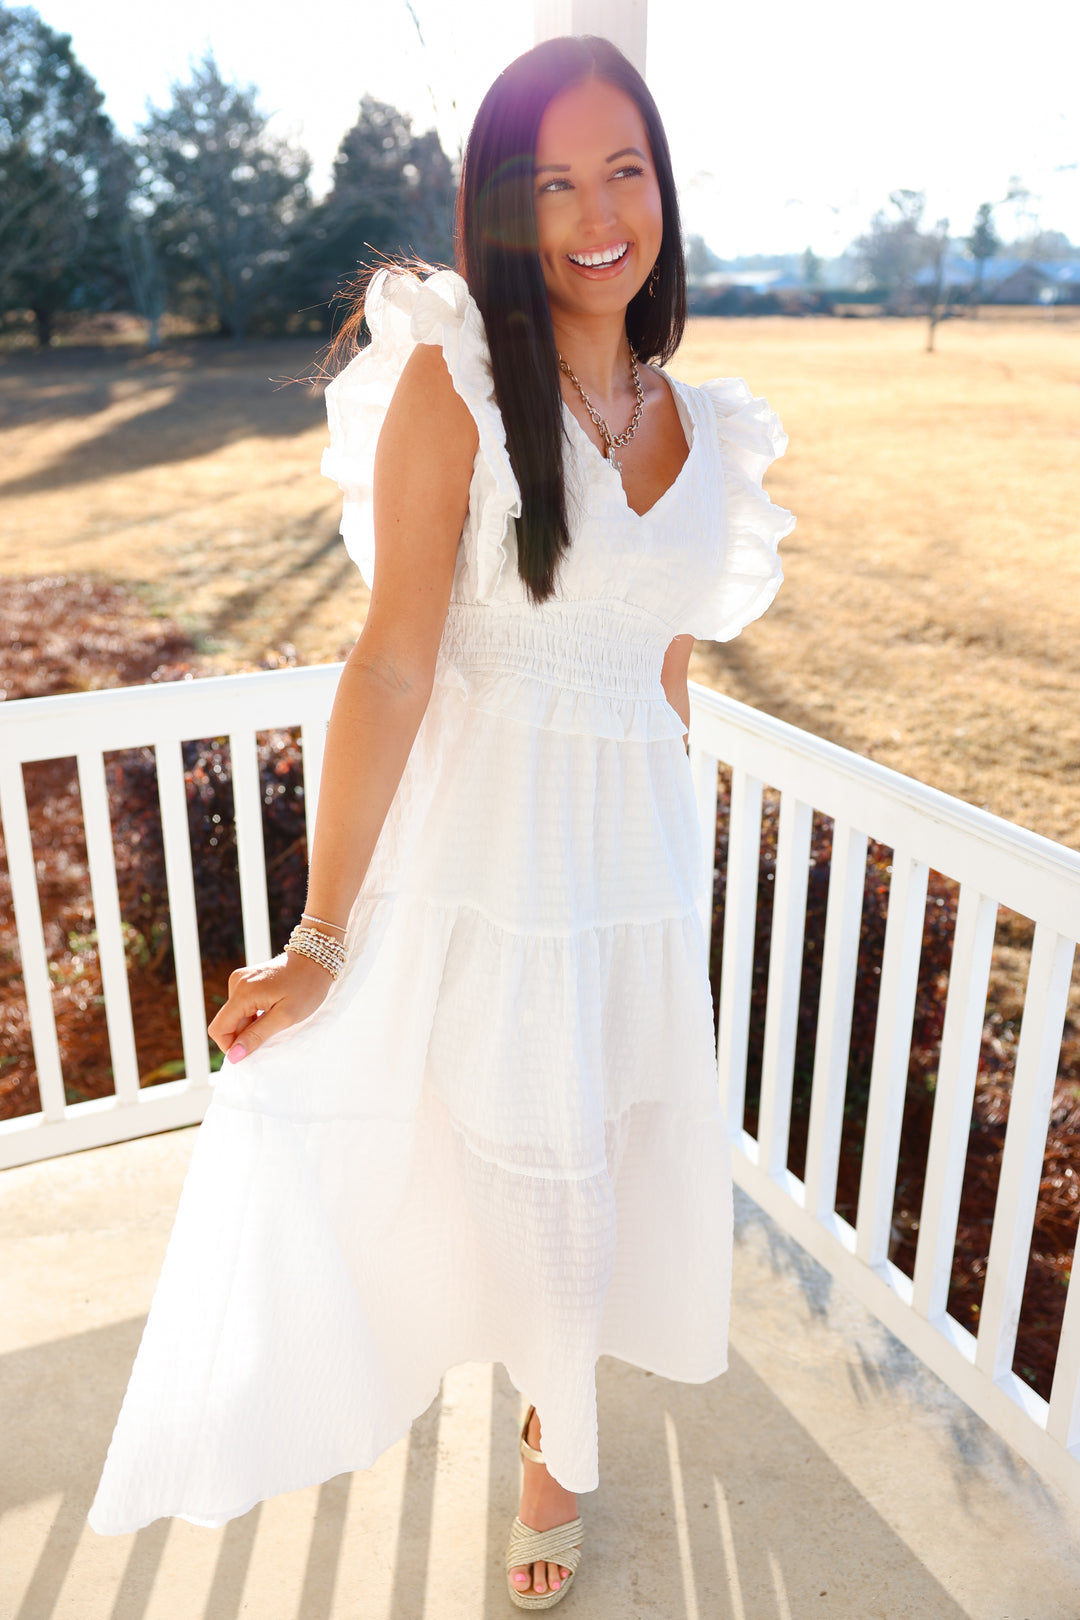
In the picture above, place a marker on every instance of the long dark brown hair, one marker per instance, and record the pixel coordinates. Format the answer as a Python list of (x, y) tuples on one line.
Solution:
[(497, 254), (498, 257)]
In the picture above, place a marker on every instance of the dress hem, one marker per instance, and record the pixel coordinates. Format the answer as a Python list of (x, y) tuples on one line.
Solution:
[(217, 1521)]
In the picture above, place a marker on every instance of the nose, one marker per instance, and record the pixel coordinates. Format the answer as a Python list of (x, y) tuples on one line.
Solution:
[(597, 212)]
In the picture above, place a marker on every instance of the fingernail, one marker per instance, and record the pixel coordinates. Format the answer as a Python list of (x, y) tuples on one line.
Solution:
[(235, 1053)]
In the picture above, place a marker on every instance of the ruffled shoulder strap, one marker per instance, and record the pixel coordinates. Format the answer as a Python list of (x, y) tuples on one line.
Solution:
[(750, 439), (402, 310)]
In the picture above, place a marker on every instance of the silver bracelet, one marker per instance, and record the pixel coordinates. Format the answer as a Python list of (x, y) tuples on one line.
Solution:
[(311, 917), (328, 953)]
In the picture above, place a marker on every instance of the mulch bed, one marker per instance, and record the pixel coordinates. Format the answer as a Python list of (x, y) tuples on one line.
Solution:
[(77, 634)]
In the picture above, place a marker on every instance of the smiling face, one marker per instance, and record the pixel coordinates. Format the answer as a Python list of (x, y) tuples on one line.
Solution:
[(599, 218)]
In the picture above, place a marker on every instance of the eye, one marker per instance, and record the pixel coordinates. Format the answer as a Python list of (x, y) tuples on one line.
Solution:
[(553, 185), (629, 168)]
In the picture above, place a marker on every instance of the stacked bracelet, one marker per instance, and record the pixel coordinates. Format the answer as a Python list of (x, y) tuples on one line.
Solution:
[(329, 953)]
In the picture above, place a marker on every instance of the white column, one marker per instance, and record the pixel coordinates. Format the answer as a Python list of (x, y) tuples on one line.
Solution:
[(621, 21)]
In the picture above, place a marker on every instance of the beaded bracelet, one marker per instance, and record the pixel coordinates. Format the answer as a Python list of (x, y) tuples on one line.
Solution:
[(329, 953)]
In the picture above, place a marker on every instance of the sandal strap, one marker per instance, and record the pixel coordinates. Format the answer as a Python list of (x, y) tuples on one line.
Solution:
[(562, 1545), (529, 1453)]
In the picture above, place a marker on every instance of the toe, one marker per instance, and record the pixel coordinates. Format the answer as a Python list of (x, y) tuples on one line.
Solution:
[(521, 1579), (554, 1577), (539, 1577)]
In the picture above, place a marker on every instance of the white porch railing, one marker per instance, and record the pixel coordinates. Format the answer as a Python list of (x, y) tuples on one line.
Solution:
[(993, 862), (87, 726)]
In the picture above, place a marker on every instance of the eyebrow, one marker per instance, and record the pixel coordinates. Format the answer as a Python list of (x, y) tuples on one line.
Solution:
[(561, 168)]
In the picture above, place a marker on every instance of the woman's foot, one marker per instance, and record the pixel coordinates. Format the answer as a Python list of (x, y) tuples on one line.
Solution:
[(544, 1504)]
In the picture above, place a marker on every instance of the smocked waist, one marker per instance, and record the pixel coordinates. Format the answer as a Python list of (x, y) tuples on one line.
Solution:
[(604, 649)]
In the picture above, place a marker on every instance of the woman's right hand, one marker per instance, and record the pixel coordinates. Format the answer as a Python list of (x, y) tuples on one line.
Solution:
[(266, 1000)]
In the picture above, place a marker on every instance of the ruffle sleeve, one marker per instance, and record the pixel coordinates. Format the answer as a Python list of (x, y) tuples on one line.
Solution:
[(749, 572), (401, 312)]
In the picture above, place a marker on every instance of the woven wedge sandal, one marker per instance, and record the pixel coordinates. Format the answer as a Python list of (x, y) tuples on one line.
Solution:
[(562, 1545)]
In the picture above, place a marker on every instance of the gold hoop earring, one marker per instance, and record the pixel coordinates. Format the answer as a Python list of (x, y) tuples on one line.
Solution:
[(654, 278)]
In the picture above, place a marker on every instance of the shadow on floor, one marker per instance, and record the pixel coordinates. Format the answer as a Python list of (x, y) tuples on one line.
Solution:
[(716, 1503)]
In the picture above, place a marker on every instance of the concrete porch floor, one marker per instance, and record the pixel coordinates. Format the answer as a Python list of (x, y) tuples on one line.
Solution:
[(827, 1475)]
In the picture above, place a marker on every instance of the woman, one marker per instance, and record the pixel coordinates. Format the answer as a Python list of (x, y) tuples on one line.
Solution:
[(470, 1114)]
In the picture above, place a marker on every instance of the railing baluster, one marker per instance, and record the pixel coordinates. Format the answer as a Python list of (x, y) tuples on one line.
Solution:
[(705, 769), (740, 911), (843, 925), (1063, 1416), (954, 1095), (184, 922), (785, 973), (892, 1047), (22, 870), (101, 856), (251, 856), (1045, 1004)]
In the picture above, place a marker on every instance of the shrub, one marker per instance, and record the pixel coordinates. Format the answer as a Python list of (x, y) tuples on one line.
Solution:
[(136, 817), (933, 967)]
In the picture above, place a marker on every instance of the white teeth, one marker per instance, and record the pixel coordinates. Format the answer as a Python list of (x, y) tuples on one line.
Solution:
[(608, 256)]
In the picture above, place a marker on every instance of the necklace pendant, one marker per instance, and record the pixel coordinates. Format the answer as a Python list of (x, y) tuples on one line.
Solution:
[(612, 460)]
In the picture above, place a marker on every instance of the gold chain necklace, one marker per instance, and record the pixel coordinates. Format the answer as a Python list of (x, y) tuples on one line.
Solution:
[(609, 438)]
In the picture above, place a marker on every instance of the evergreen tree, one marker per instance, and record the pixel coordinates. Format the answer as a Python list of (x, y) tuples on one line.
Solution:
[(63, 178), (227, 196), (392, 196), (982, 244), (812, 268), (700, 258)]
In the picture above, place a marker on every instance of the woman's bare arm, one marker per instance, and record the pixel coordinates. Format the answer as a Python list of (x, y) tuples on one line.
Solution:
[(423, 469), (673, 677)]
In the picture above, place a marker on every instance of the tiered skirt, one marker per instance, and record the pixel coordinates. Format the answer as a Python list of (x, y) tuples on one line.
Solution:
[(499, 1137)]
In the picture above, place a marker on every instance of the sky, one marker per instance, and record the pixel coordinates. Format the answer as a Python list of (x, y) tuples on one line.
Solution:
[(789, 122)]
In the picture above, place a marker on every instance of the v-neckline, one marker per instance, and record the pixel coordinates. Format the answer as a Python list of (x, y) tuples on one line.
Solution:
[(691, 446)]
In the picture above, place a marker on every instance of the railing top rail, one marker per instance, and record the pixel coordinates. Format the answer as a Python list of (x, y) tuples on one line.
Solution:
[(130, 716), (929, 804)]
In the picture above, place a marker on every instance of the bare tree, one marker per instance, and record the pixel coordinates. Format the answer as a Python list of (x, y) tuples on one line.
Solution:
[(145, 274), (939, 295), (895, 249)]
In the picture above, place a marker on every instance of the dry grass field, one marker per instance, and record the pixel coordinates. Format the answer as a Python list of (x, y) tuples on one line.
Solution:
[(931, 611), (930, 616)]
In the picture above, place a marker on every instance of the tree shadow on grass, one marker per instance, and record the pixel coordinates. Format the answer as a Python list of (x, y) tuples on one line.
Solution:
[(214, 400), (733, 668)]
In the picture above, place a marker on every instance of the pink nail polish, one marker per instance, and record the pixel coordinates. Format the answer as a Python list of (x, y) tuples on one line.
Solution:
[(235, 1053)]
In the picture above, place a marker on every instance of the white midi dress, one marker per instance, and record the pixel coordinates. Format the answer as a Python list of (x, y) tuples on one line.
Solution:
[(498, 1139)]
